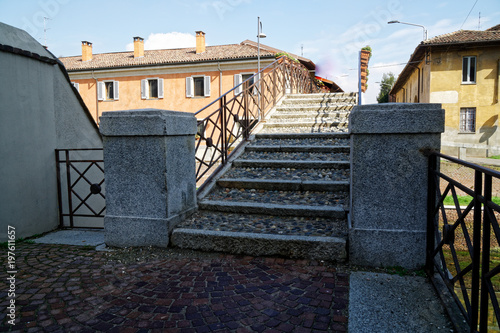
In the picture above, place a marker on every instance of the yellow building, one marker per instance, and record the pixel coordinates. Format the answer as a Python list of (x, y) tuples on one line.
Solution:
[(185, 79), (460, 70)]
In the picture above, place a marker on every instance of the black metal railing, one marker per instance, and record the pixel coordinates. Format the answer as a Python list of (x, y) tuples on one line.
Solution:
[(227, 121), (460, 242), (80, 184)]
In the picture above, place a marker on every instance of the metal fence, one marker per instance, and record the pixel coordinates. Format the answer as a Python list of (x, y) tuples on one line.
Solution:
[(462, 243), (230, 119), (80, 182)]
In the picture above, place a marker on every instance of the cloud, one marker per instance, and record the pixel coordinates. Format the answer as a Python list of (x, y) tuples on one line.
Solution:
[(170, 40)]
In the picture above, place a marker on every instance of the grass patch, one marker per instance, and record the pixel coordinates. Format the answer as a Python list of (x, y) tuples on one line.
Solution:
[(465, 200), (495, 157)]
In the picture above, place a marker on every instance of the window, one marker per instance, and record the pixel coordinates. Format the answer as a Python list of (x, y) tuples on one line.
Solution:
[(76, 85), (198, 86), (152, 88), (239, 78), (107, 91), (468, 120), (469, 70)]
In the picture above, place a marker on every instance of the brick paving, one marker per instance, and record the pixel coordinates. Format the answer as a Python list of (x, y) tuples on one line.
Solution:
[(62, 288)]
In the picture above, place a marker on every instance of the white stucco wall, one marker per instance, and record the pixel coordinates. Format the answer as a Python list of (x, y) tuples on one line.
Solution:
[(39, 112)]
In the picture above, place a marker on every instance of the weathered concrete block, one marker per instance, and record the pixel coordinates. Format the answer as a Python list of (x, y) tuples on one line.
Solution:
[(389, 181), (150, 174)]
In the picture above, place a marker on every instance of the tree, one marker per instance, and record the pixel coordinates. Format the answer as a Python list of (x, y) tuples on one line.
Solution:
[(385, 86)]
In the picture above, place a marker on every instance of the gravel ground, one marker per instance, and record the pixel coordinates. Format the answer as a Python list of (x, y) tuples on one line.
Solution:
[(289, 174), (301, 142), (266, 224), (296, 156), (279, 197)]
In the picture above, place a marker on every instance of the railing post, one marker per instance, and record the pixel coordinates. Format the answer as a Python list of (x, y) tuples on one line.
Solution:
[(483, 322), (59, 189), (275, 77), (431, 216), (476, 252), (246, 115), (68, 184), (223, 129)]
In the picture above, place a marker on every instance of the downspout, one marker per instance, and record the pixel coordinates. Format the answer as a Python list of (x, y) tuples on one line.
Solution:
[(96, 99), (220, 79)]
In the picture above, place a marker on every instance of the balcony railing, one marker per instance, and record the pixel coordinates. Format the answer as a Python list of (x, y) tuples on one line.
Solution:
[(462, 242), (229, 120)]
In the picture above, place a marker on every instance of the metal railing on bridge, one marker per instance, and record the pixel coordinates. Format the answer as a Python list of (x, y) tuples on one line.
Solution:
[(229, 120), (462, 242)]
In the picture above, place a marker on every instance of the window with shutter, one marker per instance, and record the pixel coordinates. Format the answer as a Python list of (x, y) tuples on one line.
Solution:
[(144, 89), (207, 86), (116, 91), (189, 87), (469, 70), (237, 84), (160, 88), (100, 91)]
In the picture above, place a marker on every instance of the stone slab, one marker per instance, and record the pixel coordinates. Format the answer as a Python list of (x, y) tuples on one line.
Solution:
[(397, 118), (318, 248), (391, 303), (73, 237), (147, 122)]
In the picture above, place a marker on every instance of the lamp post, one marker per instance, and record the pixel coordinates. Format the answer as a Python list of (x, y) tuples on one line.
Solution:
[(416, 25), (260, 35)]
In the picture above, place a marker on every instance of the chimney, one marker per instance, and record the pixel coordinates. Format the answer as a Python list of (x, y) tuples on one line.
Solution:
[(200, 42), (138, 47), (86, 51)]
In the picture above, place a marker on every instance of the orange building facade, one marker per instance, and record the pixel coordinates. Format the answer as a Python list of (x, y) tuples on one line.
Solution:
[(175, 79)]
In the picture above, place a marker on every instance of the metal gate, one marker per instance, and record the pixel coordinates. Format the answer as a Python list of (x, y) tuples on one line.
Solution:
[(80, 185)]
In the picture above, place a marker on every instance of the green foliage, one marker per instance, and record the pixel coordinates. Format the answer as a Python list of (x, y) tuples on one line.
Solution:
[(280, 54), (496, 157), (386, 84), (465, 200)]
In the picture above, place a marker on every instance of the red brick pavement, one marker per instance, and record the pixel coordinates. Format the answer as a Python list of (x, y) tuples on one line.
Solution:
[(63, 288)]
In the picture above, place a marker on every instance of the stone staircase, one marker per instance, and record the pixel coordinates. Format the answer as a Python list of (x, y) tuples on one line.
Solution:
[(287, 193)]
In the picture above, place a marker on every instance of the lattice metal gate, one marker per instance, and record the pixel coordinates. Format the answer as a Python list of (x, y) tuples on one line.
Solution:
[(81, 188)]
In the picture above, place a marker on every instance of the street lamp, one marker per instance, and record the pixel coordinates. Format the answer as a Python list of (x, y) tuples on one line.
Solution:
[(260, 35), (417, 25)]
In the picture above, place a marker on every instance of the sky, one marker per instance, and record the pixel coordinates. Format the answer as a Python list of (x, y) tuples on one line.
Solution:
[(329, 32)]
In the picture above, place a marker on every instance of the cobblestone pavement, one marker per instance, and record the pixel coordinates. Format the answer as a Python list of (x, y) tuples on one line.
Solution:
[(62, 288)]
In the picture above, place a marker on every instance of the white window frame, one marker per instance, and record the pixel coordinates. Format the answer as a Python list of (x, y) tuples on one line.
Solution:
[(190, 86), (468, 120), (467, 71), (145, 88), (76, 85), (101, 90)]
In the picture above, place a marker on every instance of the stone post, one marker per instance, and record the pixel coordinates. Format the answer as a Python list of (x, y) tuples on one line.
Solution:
[(150, 174), (389, 182)]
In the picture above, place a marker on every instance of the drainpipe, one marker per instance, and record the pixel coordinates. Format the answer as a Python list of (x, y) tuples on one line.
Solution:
[(96, 99), (220, 79)]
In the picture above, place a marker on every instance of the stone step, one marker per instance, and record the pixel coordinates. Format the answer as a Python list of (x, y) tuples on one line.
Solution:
[(255, 244), (285, 174), (296, 148), (300, 136), (284, 185), (311, 113), (322, 128), (245, 207), (321, 96), (260, 235), (295, 155), (330, 142), (306, 123), (319, 102), (242, 163)]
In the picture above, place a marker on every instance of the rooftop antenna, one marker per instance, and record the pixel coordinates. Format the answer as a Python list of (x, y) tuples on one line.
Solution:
[(302, 50), (45, 30), (479, 23)]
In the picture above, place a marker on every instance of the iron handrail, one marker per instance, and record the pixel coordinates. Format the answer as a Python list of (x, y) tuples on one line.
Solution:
[(475, 305), (231, 122)]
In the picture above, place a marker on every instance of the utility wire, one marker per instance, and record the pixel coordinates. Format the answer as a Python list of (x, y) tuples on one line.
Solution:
[(469, 14)]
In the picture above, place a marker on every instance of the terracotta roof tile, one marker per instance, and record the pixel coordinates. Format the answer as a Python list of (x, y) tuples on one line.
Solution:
[(465, 36), (162, 57)]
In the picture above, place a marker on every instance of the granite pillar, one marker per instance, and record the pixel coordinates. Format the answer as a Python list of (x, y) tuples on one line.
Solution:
[(149, 161), (389, 182)]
